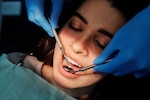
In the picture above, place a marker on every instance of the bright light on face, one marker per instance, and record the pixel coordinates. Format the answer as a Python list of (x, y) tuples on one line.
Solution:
[(84, 37)]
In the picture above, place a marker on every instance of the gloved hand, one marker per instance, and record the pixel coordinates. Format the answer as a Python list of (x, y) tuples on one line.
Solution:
[(131, 47), (35, 12)]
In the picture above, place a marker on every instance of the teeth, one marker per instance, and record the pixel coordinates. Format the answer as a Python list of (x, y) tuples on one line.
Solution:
[(71, 61), (68, 69)]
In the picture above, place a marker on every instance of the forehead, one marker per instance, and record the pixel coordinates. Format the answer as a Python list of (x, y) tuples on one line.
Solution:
[(101, 13)]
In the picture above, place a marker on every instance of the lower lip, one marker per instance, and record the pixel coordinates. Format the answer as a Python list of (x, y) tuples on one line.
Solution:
[(65, 73)]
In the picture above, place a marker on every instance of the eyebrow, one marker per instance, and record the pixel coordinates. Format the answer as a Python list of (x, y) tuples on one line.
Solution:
[(103, 31), (80, 17)]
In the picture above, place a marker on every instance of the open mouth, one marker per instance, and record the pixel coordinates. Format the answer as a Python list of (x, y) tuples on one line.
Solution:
[(70, 65), (68, 69)]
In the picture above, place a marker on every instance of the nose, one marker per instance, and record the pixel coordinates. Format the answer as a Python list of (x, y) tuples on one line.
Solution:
[(80, 47)]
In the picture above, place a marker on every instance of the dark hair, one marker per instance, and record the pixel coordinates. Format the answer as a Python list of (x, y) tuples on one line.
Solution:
[(130, 8)]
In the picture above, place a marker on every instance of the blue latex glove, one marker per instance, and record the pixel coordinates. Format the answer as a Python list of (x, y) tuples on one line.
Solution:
[(132, 45), (35, 12)]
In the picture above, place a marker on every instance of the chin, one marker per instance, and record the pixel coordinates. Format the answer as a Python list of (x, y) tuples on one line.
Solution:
[(62, 84), (65, 83)]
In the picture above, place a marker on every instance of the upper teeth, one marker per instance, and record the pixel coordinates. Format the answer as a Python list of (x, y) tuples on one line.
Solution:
[(71, 61)]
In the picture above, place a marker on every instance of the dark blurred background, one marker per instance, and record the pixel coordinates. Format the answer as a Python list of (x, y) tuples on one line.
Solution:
[(16, 32)]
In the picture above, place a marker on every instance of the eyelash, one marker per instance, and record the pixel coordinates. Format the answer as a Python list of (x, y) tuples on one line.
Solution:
[(99, 44), (76, 29)]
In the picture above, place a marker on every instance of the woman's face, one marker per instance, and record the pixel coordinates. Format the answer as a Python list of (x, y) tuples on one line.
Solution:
[(84, 37)]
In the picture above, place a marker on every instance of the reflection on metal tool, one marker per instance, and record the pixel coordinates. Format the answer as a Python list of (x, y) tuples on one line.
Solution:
[(90, 66), (57, 39), (59, 43)]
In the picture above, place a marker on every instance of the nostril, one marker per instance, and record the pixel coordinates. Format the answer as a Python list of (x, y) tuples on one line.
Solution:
[(79, 47)]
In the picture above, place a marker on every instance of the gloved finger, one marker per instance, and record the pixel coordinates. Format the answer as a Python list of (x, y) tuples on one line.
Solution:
[(40, 21), (142, 73), (108, 68), (31, 18), (57, 6), (108, 53), (117, 66), (43, 22)]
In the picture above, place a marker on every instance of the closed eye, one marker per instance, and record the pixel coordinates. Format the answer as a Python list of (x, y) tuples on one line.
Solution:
[(99, 44), (74, 28)]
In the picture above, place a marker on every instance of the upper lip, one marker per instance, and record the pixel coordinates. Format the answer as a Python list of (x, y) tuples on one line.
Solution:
[(71, 61)]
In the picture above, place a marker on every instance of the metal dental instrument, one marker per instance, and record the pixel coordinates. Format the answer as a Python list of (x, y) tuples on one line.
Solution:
[(59, 43), (57, 39), (90, 66), (93, 65)]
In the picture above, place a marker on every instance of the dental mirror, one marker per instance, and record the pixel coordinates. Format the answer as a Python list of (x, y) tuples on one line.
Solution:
[(71, 70)]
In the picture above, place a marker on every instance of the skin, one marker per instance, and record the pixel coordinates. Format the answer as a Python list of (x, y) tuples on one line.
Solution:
[(83, 40)]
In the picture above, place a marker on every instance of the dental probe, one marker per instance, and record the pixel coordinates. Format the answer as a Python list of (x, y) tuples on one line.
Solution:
[(57, 39), (91, 66), (59, 43)]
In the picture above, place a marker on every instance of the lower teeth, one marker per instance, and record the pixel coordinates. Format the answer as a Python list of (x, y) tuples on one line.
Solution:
[(68, 69)]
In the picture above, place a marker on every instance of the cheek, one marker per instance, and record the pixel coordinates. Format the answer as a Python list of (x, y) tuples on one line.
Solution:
[(94, 52), (93, 79), (57, 55), (65, 35), (68, 34)]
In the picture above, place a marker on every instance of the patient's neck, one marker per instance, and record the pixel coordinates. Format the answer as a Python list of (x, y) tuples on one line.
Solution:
[(79, 92)]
